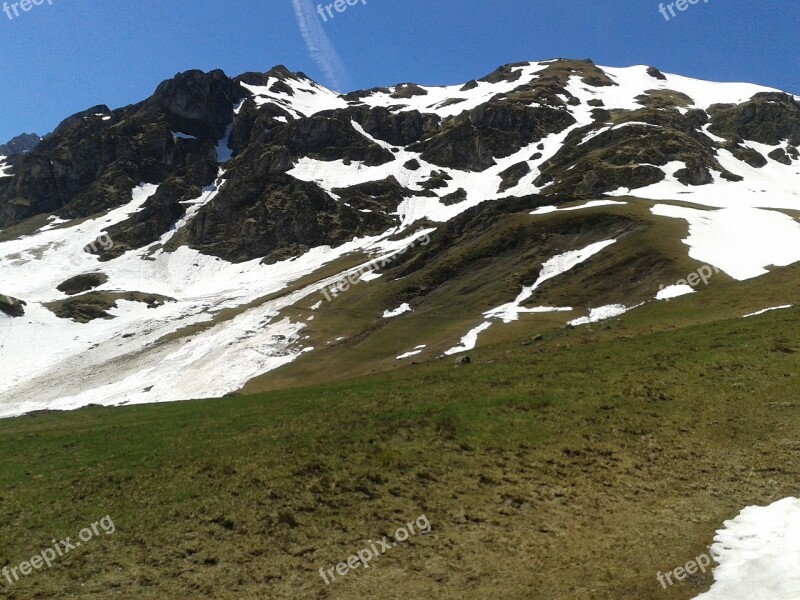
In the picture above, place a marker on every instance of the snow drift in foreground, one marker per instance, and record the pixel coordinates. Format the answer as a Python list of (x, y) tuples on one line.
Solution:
[(758, 554)]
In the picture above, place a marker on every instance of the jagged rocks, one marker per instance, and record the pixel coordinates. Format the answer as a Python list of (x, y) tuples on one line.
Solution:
[(454, 197), (694, 175), (472, 140), (155, 218), (13, 307), (286, 214), (779, 155), (768, 118), (94, 158), (82, 283), (748, 155), (382, 196), (514, 173), (21, 144), (199, 104)]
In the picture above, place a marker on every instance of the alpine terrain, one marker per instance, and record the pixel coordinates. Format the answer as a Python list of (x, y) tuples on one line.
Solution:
[(509, 271)]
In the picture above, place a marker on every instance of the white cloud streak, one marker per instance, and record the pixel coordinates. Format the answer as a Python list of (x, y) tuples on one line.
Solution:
[(319, 46)]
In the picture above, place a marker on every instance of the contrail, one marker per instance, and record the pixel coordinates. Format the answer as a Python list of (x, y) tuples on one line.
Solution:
[(319, 46)]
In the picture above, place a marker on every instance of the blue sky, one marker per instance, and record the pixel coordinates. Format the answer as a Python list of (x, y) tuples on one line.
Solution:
[(63, 57)]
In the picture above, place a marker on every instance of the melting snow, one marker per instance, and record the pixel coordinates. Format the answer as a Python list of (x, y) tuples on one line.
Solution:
[(4, 167), (438, 100), (550, 269), (307, 98), (510, 312), (600, 314), (52, 363), (743, 242), (182, 136), (761, 312), (414, 352), (543, 210), (468, 341), (758, 554), (673, 291), (403, 308)]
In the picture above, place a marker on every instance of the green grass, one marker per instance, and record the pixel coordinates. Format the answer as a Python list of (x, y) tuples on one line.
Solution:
[(572, 468)]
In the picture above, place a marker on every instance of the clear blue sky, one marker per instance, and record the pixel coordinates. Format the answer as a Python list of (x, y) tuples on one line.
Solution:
[(62, 58)]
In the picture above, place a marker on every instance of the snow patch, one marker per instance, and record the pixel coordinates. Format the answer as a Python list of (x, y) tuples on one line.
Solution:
[(743, 242), (544, 210), (414, 352), (601, 313), (552, 268), (766, 310), (403, 308), (674, 291), (468, 341), (758, 554)]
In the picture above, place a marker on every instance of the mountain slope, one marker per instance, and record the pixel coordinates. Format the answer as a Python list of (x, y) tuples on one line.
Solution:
[(576, 467), (185, 246)]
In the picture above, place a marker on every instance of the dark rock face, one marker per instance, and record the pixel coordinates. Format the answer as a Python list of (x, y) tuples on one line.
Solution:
[(93, 159), (199, 104), (779, 155), (454, 197), (329, 137), (21, 144), (13, 307), (769, 118), (399, 129), (694, 175), (513, 174), (100, 110), (472, 140), (154, 219), (745, 154), (380, 196), (275, 217), (82, 283)]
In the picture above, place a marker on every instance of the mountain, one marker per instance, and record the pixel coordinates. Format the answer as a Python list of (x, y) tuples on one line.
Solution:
[(240, 234), (21, 144)]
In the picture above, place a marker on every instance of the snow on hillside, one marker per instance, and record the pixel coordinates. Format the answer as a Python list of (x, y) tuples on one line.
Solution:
[(743, 242), (635, 81), (758, 554), (306, 98), (4, 167), (766, 310), (447, 101), (48, 362), (507, 313), (137, 356)]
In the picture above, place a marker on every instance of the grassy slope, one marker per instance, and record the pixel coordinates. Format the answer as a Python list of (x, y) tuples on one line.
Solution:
[(649, 253), (572, 468)]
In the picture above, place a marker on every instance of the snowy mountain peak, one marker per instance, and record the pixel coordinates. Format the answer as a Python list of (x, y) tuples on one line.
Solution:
[(175, 248)]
